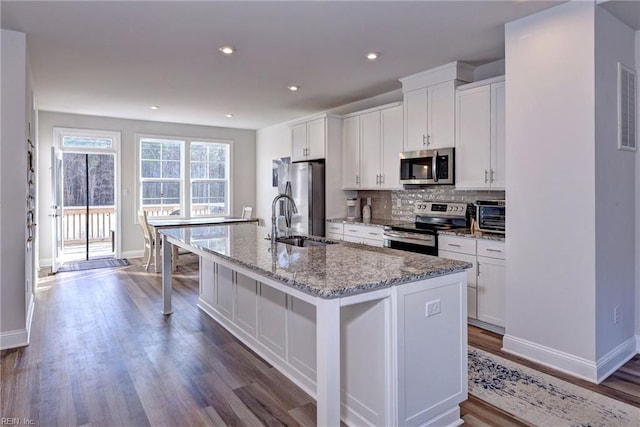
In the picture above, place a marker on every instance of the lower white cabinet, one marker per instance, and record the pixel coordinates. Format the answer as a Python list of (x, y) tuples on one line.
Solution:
[(301, 323), (335, 230), (224, 294), (246, 307), (365, 234), (491, 283), (486, 280)]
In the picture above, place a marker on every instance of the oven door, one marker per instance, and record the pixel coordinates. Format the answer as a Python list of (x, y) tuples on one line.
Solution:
[(412, 242)]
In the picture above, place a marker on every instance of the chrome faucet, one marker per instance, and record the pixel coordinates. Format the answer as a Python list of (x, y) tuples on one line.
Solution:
[(274, 226)]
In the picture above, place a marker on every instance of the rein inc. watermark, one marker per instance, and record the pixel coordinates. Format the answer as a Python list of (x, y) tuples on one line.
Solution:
[(17, 421)]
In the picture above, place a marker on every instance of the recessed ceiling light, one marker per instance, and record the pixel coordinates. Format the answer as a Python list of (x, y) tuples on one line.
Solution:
[(372, 56), (227, 50), (228, 115), (293, 88), (154, 107)]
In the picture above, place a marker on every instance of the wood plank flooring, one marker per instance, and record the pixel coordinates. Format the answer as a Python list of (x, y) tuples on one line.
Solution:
[(102, 354)]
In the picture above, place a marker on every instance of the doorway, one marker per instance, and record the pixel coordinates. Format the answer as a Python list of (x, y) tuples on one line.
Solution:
[(86, 199)]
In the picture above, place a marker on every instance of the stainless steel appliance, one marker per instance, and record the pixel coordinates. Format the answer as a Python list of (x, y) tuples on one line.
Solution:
[(427, 167), (304, 182), (491, 216), (422, 235)]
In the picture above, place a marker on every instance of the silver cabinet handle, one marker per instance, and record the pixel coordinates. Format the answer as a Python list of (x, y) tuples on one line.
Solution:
[(428, 139), (357, 179), (424, 140), (381, 179), (491, 176), (377, 179), (494, 250), (454, 245), (486, 179), (374, 234)]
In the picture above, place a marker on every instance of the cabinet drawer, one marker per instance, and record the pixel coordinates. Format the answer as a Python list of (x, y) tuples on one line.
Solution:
[(363, 231), (335, 227), (457, 244), (335, 236), (491, 249)]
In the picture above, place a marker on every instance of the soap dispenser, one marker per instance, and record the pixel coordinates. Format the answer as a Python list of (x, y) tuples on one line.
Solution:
[(366, 210)]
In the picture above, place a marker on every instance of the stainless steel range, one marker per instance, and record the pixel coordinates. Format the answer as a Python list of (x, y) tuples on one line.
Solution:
[(422, 235)]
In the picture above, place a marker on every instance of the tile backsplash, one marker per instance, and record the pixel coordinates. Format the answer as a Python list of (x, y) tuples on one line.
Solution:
[(398, 205)]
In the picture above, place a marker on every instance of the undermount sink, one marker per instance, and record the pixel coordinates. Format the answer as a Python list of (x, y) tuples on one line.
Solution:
[(303, 241)]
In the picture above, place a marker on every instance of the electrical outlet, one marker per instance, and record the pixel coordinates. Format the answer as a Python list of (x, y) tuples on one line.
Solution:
[(432, 308), (616, 314)]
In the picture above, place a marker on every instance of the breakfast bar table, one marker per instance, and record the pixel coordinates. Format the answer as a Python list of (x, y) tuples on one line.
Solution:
[(160, 224), (377, 336)]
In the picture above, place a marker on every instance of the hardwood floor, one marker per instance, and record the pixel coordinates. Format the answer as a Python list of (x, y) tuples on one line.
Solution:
[(102, 354)]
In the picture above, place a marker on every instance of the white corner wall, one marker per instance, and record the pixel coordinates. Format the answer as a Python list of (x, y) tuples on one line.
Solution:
[(615, 200), (637, 299), (14, 330), (550, 158), (244, 168)]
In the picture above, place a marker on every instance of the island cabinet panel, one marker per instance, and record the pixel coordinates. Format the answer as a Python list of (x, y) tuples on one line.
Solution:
[(301, 324), (363, 361), (224, 291), (246, 308), (272, 319), (207, 281), (432, 349)]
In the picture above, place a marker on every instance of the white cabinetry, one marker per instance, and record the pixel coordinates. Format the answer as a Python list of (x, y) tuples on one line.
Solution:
[(246, 307), (430, 117), (308, 140), (430, 105), (372, 142), (463, 249), (335, 230), (365, 234), (486, 280), (272, 319), (480, 131), (491, 282)]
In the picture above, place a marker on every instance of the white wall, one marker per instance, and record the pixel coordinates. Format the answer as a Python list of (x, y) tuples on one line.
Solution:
[(615, 190), (550, 159), (638, 201), (13, 189), (244, 167)]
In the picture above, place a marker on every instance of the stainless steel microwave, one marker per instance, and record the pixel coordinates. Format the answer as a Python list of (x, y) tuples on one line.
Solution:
[(427, 167), (491, 216)]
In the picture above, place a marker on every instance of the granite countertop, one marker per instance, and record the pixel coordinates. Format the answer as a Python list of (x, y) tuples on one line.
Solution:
[(331, 271), (465, 232), (374, 222)]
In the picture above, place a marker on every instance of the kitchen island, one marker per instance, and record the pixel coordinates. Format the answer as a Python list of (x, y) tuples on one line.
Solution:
[(377, 336)]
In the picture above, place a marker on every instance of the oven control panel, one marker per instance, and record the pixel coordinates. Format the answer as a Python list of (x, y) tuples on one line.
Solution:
[(444, 209)]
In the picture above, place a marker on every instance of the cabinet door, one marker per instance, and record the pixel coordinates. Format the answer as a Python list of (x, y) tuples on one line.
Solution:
[(224, 291), (441, 110), (391, 142), (497, 136), (299, 142), (473, 138), (316, 139), (415, 118), (207, 281), (245, 313), (351, 152), (302, 336), (472, 276), (370, 143), (491, 290), (272, 315)]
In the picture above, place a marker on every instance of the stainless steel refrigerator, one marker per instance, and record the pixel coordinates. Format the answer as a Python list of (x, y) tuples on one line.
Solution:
[(304, 182)]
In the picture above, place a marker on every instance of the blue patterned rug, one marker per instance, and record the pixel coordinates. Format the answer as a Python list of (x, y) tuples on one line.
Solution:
[(541, 399)]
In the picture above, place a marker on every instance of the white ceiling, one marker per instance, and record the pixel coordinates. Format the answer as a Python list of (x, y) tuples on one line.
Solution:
[(116, 59)]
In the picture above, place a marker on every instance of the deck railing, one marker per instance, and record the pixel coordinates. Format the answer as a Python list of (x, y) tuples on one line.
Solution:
[(101, 223)]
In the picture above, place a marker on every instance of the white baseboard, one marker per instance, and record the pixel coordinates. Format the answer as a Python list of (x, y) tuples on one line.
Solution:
[(594, 372), (613, 360), (559, 360), (45, 262), (19, 337), (132, 254)]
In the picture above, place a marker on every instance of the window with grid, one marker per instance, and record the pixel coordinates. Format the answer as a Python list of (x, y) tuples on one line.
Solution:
[(192, 185)]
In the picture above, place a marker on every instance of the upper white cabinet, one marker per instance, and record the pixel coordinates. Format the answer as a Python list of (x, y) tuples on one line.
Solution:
[(430, 106), (430, 117), (308, 140), (480, 130), (372, 142)]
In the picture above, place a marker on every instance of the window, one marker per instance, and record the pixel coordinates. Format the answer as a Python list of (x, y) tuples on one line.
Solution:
[(172, 183)]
